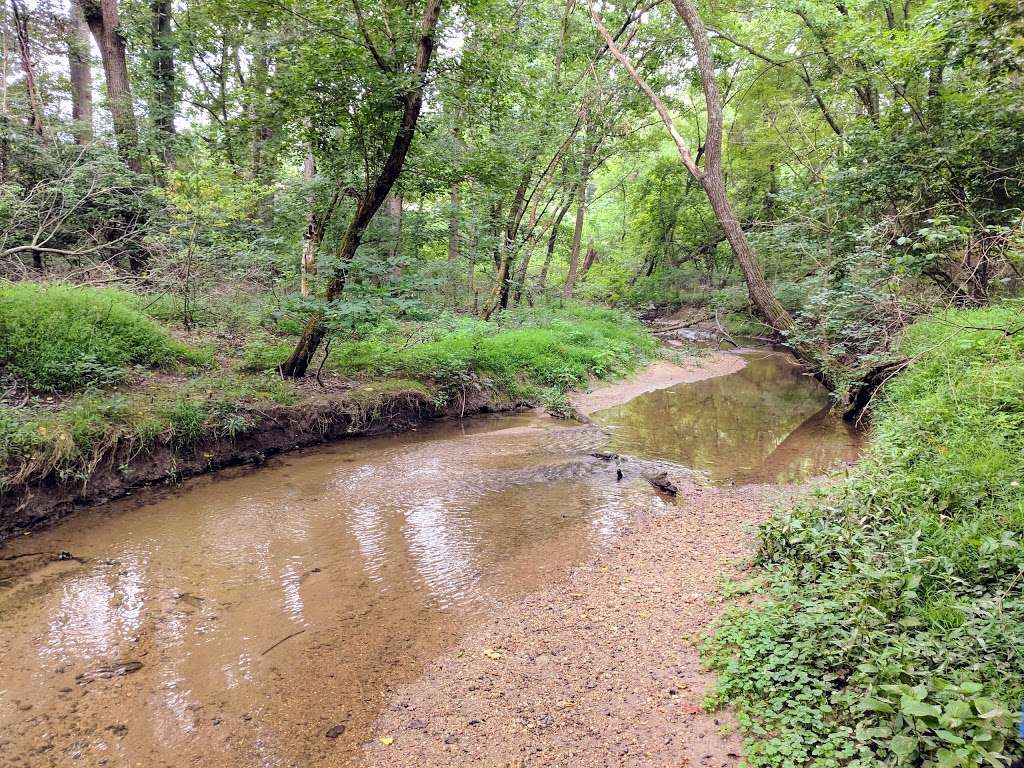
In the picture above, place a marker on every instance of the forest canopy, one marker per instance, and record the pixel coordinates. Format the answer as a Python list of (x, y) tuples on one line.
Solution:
[(314, 167)]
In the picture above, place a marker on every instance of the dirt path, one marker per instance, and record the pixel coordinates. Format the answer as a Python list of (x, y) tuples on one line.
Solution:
[(601, 670), (658, 375)]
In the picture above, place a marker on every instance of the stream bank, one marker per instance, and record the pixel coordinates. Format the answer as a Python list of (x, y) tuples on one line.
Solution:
[(271, 616)]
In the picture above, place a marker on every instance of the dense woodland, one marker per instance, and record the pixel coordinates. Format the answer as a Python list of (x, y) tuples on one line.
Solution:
[(281, 195), (325, 166)]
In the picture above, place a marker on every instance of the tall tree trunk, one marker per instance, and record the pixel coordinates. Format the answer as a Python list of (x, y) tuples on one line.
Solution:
[(315, 226), (35, 102), (581, 212), (394, 209), (711, 179), (371, 201), (256, 97), (542, 278), (453, 238), (507, 248), (80, 71), (165, 100), (102, 17)]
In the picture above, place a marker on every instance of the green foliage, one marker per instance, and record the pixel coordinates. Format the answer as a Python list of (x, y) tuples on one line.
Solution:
[(898, 613), (549, 347), (70, 440), (55, 337)]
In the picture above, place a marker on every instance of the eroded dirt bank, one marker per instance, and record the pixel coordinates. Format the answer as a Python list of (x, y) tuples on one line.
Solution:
[(124, 465), (601, 670)]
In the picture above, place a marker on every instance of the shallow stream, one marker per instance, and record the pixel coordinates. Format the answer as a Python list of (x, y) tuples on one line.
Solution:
[(241, 618)]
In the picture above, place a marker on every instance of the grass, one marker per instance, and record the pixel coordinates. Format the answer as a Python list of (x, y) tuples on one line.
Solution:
[(528, 353), (528, 356), (63, 338), (895, 630)]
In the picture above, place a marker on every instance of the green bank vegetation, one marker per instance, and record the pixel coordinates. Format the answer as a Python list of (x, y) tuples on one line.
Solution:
[(407, 197), (895, 620), (104, 372)]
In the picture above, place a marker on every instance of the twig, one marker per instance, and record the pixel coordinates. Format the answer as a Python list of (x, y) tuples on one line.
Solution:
[(287, 637)]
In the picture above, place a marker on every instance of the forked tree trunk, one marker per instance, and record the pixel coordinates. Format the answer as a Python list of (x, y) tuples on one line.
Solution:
[(165, 100), (35, 102), (711, 178), (371, 201), (80, 71), (104, 21), (581, 211)]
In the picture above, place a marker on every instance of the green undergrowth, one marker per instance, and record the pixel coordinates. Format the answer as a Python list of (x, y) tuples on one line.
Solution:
[(894, 630), (526, 357), (537, 355), (63, 338)]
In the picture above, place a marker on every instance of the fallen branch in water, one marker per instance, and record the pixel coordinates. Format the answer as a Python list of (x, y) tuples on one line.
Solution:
[(679, 326), (287, 637)]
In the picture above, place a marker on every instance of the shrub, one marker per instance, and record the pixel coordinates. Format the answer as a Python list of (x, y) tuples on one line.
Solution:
[(64, 338), (898, 613)]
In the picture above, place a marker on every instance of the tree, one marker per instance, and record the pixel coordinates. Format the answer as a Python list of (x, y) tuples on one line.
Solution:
[(35, 102), (104, 21), (165, 99), (370, 201), (80, 72), (710, 177)]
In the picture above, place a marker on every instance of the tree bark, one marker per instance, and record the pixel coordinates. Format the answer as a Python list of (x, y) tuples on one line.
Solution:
[(506, 249), (35, 102), (581, 212), (711, 178), (370, 202), (394, 209), (80, 71), (588, 262), (165, 100), (104, 21), (453, 238), (542, 278)]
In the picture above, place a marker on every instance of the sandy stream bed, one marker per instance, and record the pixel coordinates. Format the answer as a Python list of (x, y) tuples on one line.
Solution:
[(601, 669)]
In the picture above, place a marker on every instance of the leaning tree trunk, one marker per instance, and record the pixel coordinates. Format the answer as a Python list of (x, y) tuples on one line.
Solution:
[(581, 212), (104, 21), (80, 71), (371, 201), (165, 100), (711, 179)]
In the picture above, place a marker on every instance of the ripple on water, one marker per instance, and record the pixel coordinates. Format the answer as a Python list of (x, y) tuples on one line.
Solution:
[(267, 606)]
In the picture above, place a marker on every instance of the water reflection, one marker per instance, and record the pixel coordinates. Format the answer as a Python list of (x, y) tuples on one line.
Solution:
[(270, 605), (766, 423)]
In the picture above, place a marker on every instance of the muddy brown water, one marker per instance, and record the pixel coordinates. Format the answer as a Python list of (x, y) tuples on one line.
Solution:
[(239, 620), (767, 423)]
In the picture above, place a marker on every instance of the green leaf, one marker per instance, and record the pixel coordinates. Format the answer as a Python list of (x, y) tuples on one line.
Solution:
[(915, 708), (903, 746)]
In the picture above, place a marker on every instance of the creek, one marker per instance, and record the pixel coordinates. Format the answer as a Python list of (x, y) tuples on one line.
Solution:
[(261, 617)]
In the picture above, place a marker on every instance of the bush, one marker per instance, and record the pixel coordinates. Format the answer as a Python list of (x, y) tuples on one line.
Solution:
[(898, 616), (63, 338)]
